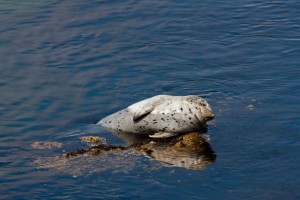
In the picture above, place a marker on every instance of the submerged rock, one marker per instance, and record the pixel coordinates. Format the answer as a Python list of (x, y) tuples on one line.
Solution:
[(190, 151), (46, 145), (93, 139)]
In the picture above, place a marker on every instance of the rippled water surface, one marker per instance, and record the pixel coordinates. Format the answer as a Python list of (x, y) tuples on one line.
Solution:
[(67, 64)]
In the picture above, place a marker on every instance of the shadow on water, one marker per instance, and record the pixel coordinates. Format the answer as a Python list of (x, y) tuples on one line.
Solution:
[(190, 151)]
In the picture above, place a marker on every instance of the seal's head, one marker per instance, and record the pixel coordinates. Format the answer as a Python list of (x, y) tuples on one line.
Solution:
[(202, 107)]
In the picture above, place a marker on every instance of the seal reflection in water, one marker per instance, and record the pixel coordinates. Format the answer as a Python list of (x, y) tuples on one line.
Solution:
[(190, 151)]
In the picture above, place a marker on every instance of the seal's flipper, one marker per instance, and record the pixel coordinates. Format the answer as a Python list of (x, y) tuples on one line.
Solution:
[(162, 135), (143, 108), (142, 112)]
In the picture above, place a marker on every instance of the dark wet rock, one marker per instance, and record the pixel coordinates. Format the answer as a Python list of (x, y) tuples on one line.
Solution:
[(190, 151)]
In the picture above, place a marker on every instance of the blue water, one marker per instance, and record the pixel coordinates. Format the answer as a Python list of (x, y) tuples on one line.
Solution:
[(66, 64)]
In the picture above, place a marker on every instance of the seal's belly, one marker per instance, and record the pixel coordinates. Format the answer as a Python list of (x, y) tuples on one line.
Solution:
[(122, 121)]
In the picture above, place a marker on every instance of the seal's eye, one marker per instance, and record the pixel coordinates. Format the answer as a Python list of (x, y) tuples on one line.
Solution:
[(202, 103)]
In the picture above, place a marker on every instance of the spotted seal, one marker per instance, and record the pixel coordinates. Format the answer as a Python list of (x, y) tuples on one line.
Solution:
[(161, 116)]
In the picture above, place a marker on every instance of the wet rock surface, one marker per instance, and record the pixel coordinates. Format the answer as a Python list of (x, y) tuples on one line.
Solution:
[(190, 151)]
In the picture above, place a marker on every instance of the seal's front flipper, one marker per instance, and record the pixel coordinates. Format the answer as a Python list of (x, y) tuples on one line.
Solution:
[(143, 108), (162, 135), (141, 113)]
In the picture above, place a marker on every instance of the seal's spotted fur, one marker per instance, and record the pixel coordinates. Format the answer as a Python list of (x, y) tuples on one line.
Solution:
[(163, 115)]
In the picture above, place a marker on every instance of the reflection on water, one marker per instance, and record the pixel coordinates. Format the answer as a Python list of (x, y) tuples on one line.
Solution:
[(190, 151)]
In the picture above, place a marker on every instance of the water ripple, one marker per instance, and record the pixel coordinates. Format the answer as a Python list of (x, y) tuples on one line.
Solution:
[(66, 64)]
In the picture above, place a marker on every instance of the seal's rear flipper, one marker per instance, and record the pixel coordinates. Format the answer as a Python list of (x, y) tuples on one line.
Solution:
[(162, 135)]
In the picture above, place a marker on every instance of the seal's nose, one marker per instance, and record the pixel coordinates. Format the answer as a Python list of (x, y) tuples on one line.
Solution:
[(210, 117), (209, 114)]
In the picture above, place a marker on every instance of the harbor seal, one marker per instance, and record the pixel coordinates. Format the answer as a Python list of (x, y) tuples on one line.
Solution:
[(161, 116)]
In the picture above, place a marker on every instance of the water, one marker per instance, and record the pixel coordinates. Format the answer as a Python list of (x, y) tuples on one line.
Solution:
[(67, 64)]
